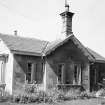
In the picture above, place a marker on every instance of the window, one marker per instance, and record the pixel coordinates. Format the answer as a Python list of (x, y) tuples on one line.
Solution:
[(32, 72), (60, 73), (2, 71), (28, 73), (36, 73), (77, 74)]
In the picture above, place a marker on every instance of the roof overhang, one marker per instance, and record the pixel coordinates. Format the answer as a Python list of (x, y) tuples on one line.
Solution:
[(26, 53), (77, 43), (99, 61)]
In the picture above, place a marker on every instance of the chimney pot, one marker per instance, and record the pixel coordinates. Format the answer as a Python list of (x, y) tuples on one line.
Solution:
[(15, 32)]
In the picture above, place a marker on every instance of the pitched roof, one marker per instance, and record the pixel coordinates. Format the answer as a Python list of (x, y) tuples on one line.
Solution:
[(98, 57), (52, 46), (39, 47), (21, 44), (92, 55)]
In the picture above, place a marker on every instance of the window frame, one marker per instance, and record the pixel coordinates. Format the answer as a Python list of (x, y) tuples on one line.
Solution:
[(77, 80), (28, 73), (62, 73)]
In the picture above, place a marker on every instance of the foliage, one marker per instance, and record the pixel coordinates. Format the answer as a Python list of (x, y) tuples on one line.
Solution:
[(55, 95), (30, 88), (100, 93), (71, 94), (87, 95), (31, 93), (5, 96)]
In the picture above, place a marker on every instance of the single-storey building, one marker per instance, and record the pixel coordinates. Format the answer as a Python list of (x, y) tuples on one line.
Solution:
[(63, 63)]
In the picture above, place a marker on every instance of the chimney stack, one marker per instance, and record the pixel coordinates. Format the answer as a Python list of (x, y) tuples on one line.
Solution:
[(67, 21)]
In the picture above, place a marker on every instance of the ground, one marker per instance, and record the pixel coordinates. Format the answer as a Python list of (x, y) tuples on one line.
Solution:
[(98, 101)]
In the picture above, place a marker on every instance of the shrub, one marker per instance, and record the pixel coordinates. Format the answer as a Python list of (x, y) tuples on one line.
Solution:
[(5, 97), (30, 88), (100, 93), (39, 96), (24, 98), (33, 94), (87, 95), (72, 94), (83, 95), (55, 95)]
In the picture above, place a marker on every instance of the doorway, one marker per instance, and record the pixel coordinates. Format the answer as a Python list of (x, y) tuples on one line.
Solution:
[(93, 78)]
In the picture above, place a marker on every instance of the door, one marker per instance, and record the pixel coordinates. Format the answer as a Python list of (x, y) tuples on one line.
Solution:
[(93, 77)]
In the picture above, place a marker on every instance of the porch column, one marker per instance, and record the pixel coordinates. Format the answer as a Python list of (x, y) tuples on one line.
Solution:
[(33, 72)]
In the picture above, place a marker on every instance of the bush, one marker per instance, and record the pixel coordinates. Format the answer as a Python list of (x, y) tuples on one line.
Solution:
[(72, 94), (33, 94), (55, 95), (30, 88), (24, 98), (100, 93), (5, 97), (39, 96), (87, 95)]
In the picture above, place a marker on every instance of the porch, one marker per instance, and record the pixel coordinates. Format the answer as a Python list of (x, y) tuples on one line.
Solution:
[(97, 76)]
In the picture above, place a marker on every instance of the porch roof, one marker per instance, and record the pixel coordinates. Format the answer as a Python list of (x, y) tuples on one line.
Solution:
[(98, 57)]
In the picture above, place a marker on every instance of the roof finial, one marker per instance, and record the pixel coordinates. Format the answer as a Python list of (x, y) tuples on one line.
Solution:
[(66, 6)]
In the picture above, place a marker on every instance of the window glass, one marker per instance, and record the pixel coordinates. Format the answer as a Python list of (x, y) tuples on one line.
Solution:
[(60, 73), (28, 73), (77, 74)]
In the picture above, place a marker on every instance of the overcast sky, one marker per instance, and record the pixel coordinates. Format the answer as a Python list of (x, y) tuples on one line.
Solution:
[(40, 19)]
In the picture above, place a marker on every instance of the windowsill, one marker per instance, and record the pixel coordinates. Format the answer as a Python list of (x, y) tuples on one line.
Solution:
[(70, 84)]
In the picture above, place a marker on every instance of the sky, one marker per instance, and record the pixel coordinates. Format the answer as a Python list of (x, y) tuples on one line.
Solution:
[(40, 19)]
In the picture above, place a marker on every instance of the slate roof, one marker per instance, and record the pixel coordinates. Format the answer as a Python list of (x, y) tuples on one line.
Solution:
[(98, 57), (21, 44), (39, 47), (88, 52), (52, 46)]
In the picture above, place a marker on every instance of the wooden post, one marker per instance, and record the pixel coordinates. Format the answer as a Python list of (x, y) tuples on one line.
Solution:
[(63, 74), (33, 73), (88, 67)]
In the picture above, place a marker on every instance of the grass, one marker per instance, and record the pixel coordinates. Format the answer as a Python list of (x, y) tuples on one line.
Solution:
[(97, 101)]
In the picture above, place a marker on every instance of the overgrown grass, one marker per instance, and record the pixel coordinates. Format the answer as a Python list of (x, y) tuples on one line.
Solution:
[(95, 101), (32, 94)]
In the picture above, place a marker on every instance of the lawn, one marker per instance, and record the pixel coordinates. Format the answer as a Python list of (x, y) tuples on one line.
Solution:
[(97, 101)]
